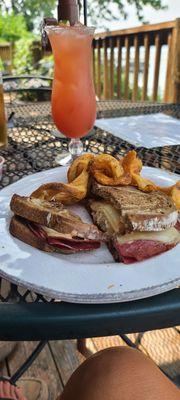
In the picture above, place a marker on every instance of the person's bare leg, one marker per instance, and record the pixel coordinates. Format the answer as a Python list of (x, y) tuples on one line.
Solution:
[(119, 373)]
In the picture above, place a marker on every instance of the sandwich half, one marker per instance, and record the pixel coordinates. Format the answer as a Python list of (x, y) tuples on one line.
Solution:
[(51, 227), (139, 225)]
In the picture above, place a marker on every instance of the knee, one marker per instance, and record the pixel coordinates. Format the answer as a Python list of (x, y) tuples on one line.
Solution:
[(97, 375), (114, 361), (111, 374), (116, 355)]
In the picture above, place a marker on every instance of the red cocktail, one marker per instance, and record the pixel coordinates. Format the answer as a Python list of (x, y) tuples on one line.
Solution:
[(73, 95)]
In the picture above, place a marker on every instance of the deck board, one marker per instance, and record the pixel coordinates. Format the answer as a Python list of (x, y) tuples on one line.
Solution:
[(43, 367), (66, 357)]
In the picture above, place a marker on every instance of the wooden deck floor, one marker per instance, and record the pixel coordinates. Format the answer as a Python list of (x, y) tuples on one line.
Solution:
[(55, 363), (59, 359)]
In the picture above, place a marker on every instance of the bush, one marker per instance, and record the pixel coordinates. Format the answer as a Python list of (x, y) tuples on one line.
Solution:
[(22, 60), (12, 27), (46, 66)]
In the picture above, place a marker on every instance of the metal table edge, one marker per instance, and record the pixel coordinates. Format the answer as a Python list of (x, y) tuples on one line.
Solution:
[(59, 320)]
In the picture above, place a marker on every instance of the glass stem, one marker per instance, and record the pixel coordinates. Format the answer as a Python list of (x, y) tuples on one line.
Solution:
[(75, 147)]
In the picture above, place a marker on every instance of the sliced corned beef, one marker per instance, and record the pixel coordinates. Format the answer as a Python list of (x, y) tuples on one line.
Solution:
[(140, 250)]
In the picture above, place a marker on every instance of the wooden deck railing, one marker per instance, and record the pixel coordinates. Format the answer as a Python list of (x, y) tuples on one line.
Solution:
[(127, 63), (6, 56)]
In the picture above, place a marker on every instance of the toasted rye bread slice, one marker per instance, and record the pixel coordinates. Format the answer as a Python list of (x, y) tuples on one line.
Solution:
[(53, 216), (35, 210), (106, 216), (152, 211), (19, 229)]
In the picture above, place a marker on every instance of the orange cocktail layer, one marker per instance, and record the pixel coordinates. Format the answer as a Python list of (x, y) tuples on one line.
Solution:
[(73, 97)]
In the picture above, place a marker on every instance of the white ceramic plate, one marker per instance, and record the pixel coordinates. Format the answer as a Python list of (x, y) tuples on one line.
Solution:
[(91, 277)]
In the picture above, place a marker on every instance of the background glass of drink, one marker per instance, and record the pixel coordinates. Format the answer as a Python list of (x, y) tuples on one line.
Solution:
[(73, 95), (3, 127), (2, 160)]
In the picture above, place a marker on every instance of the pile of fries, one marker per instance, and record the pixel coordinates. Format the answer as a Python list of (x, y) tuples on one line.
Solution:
[(106, 170)]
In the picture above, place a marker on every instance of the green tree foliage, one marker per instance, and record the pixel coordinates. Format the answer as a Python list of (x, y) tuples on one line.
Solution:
[(98, 10), (12, 27), (105, 10), (31, 9), (23, 60)]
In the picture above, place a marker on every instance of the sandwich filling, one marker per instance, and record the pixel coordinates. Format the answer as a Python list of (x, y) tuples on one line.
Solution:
[(138, 246), (64, 242), (107, 217), (126, 246)]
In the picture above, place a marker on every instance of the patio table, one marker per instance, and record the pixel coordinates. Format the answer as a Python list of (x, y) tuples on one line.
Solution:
[(32, 147)]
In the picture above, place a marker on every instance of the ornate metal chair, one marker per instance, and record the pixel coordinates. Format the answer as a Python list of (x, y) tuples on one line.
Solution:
[(27, 88)]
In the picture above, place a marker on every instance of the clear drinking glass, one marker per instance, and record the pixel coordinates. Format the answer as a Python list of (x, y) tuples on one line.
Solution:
[(3, 126), (73, 96), (2, 160)]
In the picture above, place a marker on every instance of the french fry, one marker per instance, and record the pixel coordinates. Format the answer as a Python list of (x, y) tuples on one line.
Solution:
[(65, 193), (143, 184), (174, 192), (175, 195), (131, 163), (75, 191), (107, 170), (108, 164), (80, 164), (106, 180)]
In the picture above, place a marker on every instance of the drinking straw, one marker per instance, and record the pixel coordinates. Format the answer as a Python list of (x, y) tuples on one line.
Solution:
[(85, 12)]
